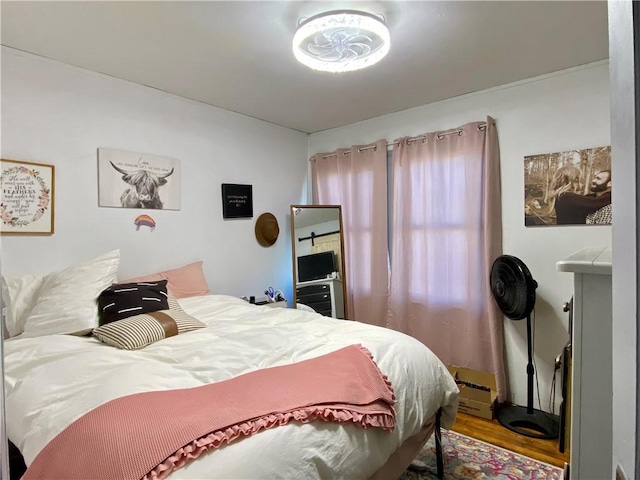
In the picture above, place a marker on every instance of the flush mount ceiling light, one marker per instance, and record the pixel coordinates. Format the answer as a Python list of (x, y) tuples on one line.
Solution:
[(341, 41)]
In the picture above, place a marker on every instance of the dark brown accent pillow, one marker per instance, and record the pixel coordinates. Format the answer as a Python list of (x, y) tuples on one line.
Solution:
[(123, 300)]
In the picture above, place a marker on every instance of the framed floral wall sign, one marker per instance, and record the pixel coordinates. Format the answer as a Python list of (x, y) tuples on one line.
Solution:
[(26, 198)]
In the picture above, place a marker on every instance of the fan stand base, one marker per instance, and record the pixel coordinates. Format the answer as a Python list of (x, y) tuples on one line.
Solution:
[(538, 424)]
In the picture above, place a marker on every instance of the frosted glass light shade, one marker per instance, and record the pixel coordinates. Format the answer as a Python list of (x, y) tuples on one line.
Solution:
[(341, 41)]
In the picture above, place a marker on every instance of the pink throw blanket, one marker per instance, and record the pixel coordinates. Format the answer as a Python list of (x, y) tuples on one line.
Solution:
[(148, 435)]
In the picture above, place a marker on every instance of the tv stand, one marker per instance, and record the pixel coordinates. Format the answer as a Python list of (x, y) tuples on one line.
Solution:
[(325, 296)]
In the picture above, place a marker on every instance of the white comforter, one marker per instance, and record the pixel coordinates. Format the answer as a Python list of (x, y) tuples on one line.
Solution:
[(53, 380)]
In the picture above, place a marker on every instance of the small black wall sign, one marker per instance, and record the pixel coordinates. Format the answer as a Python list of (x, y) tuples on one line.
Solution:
[(237, 201)]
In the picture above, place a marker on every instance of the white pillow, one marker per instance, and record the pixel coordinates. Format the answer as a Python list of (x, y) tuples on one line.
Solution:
[(19, 295), (67, 300)]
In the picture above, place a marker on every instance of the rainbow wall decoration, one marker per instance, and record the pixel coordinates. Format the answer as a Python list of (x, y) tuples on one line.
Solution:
[(144, 221)]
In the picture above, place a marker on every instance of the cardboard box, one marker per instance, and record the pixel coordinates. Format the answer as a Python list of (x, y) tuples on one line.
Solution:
[(478, 391)]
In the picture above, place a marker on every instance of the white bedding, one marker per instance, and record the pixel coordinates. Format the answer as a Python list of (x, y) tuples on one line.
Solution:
[(53, 380)]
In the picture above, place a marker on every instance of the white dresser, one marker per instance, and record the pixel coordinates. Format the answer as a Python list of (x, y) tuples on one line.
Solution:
[(592, 388)]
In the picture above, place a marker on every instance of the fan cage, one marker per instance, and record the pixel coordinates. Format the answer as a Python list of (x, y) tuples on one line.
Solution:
[(513, 287)]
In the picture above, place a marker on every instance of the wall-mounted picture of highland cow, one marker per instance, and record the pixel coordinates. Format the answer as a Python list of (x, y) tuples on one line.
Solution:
[(568, 188), (138, 180)]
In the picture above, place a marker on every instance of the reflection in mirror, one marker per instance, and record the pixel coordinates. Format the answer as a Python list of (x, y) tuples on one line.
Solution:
[(318, 259)]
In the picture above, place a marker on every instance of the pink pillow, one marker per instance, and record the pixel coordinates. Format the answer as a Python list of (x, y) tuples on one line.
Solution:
[(187, 281)]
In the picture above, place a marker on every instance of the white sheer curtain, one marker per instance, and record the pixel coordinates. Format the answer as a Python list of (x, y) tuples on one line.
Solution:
[(356, 179), (446, 235)]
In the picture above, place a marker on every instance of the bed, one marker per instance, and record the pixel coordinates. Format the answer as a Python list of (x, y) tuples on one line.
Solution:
[(52, 380)]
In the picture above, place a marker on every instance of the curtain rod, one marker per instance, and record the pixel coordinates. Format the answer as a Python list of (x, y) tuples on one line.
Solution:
[(410, 140)]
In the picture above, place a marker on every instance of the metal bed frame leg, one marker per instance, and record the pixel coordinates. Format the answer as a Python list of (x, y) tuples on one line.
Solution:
[(439, 461)]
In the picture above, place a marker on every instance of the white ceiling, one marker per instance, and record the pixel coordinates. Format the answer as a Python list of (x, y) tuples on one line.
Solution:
[(237, 54)]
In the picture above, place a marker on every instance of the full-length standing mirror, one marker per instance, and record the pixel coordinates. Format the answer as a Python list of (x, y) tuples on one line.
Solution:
[(317, 241)]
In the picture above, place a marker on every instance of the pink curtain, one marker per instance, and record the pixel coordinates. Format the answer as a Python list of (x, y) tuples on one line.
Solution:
[(446, 234), (356, 179)]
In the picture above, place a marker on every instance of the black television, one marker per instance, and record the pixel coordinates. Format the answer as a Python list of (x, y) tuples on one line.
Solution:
[(315, 266)]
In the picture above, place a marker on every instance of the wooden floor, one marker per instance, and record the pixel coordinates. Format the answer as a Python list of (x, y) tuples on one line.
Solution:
[(492, 432)]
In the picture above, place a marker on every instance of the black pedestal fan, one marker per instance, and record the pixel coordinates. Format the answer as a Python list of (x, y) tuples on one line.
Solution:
[(514, 290)]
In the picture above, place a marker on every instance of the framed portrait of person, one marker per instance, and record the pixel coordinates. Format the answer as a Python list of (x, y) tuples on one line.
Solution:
[(568, 188)]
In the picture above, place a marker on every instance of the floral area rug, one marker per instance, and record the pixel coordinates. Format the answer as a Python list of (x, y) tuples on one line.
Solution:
[(466, 458)]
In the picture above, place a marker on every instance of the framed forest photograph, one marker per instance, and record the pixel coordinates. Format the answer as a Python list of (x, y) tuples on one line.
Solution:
[(26, 198), (568, 188)]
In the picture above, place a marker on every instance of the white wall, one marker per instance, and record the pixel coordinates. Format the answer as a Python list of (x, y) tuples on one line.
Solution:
[(58, 114), (558, 112)]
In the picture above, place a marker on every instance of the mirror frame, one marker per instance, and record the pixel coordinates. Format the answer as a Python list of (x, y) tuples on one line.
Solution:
[(342, 258)]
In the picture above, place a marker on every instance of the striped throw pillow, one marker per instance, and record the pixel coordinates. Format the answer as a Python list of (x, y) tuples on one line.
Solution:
[(173, 302), (141, 330)]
